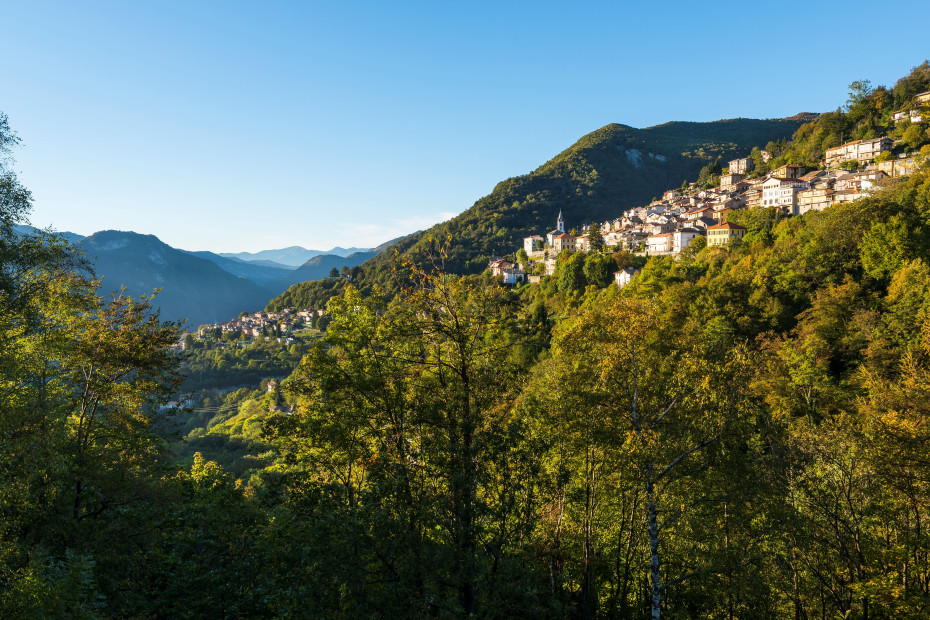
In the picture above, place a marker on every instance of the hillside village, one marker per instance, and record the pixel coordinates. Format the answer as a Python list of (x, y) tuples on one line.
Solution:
[(271, 324), (668, 225)]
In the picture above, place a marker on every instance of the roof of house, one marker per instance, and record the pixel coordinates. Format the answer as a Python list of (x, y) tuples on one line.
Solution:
[(790, 179), (727, 226)]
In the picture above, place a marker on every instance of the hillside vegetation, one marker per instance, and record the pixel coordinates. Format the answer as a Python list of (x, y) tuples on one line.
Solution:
[(738, 433)]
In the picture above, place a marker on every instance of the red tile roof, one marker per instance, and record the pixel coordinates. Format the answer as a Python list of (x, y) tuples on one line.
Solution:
[(726, 225)]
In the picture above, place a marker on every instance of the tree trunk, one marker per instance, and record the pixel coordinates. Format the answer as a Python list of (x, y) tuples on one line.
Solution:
[(654, 547)]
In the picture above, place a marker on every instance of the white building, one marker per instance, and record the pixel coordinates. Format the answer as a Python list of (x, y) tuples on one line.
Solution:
[(623, 277), (782, 193), (659, 243), (742, 165), (530, 243), (681, 238), (858, 150)]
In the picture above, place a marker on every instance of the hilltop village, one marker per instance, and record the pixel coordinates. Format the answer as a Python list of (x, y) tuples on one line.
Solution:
[(670, 224)]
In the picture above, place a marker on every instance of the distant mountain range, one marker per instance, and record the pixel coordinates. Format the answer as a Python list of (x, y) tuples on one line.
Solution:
[(202, 287), (294, 256)]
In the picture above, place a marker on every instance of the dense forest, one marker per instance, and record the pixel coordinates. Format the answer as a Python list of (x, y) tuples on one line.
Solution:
[(740, 433)]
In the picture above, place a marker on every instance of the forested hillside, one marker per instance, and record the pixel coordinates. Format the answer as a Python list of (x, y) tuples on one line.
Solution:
[(738, 433)]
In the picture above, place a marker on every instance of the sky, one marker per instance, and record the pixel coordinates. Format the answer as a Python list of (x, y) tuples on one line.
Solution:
[(229, 126)]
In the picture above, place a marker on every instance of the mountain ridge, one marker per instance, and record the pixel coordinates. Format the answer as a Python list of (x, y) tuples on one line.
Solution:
[(293, 256), (191, 287)]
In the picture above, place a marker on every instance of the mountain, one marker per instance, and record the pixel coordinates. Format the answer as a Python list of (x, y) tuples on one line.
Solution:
[(192, 287), (320, 267), (70, 237), (266, 263), (604, 173), (340, 251), (261, 272), (294, 255)]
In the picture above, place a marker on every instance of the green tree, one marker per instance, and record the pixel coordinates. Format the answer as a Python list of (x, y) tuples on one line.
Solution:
[(400, 420), (81, 384), (570, 273), (914, 136), (598, 270)]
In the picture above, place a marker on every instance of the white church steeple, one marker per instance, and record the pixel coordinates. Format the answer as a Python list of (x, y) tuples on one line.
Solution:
[(560, 223)]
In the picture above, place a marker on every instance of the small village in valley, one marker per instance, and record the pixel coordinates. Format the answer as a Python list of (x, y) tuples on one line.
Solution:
[(668, 225)]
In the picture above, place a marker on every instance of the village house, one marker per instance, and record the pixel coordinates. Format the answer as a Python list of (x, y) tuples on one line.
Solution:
[(623, 277), (782, 193), (563, 242), (514, 275), (498, 266), (753, 196), (858, 150), (743, 165), (788, 171), (811, 177), (914, 116), (681, 238), (846, 195), (897, 167), (860, 180), (721, 212), (721, 234), (533, 243), (550, 266), (703, 210), (729, 181), (657, 244), (615, 237), (815, 199), (703, 223)]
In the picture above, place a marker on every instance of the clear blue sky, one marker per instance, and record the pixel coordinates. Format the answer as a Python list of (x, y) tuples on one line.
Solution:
[(244, 126)]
